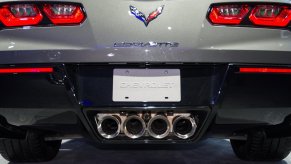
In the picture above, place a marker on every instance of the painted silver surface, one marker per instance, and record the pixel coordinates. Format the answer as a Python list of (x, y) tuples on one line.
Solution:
[(110, 21)]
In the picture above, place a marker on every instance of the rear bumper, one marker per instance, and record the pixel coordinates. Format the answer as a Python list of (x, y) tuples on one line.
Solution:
[(60, 102), (148, 55)]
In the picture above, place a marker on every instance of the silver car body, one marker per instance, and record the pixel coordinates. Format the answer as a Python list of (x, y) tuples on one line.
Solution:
[(109, 22)]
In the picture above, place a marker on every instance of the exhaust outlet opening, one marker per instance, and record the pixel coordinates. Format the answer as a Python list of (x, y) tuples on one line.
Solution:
[(184, 127), (159, 127), (134, 127), (109, 127)]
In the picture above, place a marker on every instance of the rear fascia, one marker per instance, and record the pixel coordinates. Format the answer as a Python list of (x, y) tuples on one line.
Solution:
[(232, 98)]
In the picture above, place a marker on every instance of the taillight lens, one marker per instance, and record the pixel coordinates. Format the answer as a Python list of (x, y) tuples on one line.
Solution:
[(228, 14), (64, 14), (20, 15), (270, 15), (267, 15)]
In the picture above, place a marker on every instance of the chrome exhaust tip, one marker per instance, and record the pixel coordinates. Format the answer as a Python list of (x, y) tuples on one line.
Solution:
[(134, 127), (109, 126), (184, 127), (159, 127)]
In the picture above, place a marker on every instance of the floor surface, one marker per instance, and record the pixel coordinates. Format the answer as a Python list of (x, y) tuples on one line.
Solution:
[(209, 151)]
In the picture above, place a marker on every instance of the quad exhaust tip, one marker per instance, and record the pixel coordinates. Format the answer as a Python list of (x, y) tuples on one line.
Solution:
[(159, 127), (134, 127), (109, 126), (184, 127)]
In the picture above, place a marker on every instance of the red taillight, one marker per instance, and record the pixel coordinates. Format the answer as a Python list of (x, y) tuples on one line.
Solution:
[(228, 14), (261, 14), (20, 15), (270, 15), (64, 14), (266, 70), (25, 70)]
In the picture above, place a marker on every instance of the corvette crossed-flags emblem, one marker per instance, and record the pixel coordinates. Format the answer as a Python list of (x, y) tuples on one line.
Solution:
[(141, 16)]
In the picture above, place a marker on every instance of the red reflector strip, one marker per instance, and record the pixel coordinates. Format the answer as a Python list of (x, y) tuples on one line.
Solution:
[(266, 70), (25, 70)]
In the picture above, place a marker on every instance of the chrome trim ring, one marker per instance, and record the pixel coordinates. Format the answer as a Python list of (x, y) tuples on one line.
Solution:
[(188, 135), (159, 136), (134, 136), (102, 133)]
